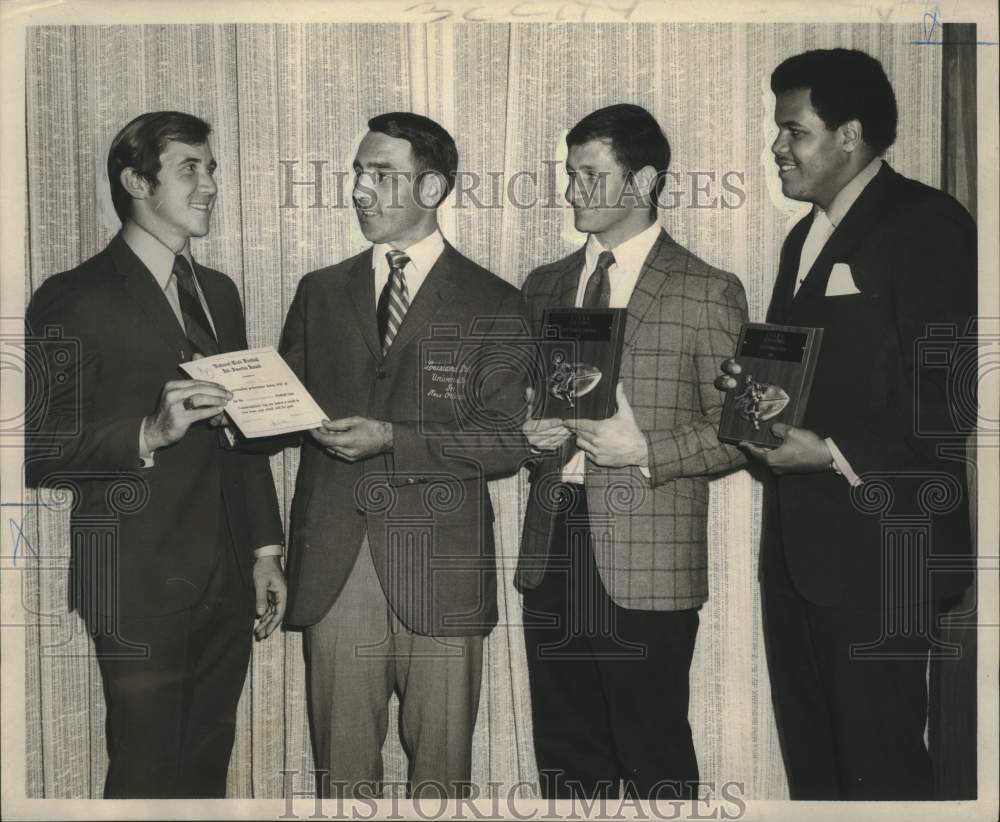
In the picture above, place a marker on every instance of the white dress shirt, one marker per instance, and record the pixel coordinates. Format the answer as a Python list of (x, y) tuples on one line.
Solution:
[(822, 228), (623, 275), (423, 254)]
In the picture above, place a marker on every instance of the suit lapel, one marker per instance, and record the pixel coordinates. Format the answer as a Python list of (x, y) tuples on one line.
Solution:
[(655, 270), (788, 269), (436, 289), (568, 282), (853, 228), (361, 291), (220, 308), (141, 286)]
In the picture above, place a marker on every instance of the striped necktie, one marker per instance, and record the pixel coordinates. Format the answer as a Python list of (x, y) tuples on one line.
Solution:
[(394, 299), (598, 291), (196, 325)]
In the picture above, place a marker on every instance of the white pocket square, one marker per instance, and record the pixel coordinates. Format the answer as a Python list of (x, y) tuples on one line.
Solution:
[(841, 282)]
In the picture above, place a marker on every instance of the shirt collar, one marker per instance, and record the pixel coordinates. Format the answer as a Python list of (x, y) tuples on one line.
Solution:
[(152, 253), (848, 195), (423, 254), (629, 255)]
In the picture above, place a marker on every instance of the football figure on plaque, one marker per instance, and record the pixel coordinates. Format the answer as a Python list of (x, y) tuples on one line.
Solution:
[(767, 381), (581, 360)]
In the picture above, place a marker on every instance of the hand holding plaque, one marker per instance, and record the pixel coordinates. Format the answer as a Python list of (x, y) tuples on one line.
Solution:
[(767, 381), (614, 442), (801, 451), (543, 434)]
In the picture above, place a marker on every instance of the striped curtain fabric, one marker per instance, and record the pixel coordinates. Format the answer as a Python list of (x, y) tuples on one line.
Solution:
[(289, 104)]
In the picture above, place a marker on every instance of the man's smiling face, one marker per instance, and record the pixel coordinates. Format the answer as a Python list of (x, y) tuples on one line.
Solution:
[(812, 162), (181, 204)]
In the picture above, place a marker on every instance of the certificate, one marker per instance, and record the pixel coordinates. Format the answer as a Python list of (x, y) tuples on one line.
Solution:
[(268, 399)]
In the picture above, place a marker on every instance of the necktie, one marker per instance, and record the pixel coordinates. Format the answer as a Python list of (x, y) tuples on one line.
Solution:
[(597, 294), (819, 233), (196, 324), (393, 301), (598, 291)]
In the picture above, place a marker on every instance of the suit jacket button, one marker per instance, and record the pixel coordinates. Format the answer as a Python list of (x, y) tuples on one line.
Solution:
[(380, 374)]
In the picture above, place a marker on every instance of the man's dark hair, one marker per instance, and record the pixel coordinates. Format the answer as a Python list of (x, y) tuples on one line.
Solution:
[(432, 146), (635, 137), (844, 84), (140, 144)]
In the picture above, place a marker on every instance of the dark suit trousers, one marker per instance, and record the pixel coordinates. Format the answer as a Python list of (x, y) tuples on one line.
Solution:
[(171, 712), (609, 685), (851, 727)]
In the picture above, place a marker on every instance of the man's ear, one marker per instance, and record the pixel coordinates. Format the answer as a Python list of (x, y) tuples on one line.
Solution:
[(135, 184), (851, 135), (644, 179), (430, 188)]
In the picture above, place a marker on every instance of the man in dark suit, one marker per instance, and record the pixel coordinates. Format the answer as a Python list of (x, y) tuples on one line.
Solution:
[(391, 556), (171, 605), (863, 499), (614, 558)]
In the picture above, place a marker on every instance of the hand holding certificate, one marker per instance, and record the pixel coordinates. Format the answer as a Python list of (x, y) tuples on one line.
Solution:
[(268, 399)]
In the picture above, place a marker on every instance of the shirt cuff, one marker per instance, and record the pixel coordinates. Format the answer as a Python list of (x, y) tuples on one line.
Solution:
[(646, 469), (841, 465), (268, 551), (145, 455)]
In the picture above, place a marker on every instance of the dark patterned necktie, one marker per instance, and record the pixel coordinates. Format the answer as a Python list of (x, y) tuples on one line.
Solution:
[(598, 291), (196, 325), (394, 300)]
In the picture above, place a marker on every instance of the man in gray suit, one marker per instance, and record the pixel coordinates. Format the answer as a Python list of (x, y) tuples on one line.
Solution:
[(613, 562), (391, 567)]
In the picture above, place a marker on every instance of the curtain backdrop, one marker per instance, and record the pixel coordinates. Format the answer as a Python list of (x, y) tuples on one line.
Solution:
[(952, 733), (288, 102)]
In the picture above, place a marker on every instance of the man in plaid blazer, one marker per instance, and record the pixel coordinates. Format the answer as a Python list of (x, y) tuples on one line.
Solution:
[(613, 561)]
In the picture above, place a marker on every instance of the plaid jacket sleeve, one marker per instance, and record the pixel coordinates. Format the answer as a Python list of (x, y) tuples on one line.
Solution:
[(692, 448)]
